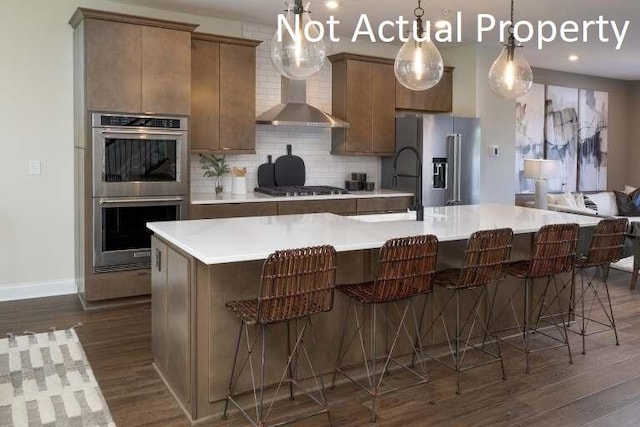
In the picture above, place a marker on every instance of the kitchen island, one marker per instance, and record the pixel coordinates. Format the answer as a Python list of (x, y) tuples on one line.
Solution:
[(199, 265)]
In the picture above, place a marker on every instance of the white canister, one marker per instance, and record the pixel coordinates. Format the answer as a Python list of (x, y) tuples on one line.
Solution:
[(239, 185)]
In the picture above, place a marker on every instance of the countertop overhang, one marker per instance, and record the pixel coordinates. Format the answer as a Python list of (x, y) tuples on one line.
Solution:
[(219, 241)]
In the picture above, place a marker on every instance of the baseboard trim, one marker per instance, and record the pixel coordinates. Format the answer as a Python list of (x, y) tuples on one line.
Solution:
[(19, 291)]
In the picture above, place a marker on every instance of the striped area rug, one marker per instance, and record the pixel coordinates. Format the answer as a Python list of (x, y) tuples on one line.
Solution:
[(46, 381)]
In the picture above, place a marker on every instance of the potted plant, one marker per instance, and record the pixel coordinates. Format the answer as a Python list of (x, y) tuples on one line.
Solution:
[(214, 167)]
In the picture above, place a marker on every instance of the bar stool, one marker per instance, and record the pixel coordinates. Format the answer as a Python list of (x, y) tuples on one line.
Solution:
[(405, 270), (607, 246), (486, 257), (553, 253), (295, 285)]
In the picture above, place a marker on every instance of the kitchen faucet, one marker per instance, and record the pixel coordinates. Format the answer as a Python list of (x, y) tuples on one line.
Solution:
[(418, 177)]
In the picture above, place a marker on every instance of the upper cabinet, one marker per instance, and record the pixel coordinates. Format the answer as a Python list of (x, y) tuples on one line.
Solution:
[(438, 99), (134, 64), (364, 95), (223, 94)]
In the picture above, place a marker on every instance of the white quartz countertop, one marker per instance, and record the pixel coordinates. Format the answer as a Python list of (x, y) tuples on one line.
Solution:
[(218, 241), (252, 197)]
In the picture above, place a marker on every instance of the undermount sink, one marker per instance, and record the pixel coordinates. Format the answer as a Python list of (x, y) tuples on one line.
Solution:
[(400, 216)]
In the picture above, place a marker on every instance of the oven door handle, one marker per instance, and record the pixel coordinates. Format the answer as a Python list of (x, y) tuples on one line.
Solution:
[(140, 200), (146, 132)]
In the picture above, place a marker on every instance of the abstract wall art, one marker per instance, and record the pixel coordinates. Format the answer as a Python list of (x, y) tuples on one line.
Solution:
[(593, 144), (529, 134), (561, 135)]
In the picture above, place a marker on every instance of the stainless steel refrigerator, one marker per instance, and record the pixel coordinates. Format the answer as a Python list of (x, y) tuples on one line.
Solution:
[(449, 150)]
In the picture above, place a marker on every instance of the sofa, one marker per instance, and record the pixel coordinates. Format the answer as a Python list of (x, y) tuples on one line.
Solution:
[(603, 203)]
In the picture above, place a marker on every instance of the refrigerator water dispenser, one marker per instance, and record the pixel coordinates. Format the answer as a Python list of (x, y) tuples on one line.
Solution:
[(440, 173)]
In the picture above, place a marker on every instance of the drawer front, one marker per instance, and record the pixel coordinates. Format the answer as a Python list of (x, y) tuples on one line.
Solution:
[(233, 210), (339, 207), (384, 204)]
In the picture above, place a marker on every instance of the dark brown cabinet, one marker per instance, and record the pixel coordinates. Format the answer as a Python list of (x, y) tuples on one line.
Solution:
[(438, 99), (135, 65), (363, 94), (223, 85), (233, 210), (338, 207), (122, 64), (166, 71), (383, 205), (171, 313), (113, 75)]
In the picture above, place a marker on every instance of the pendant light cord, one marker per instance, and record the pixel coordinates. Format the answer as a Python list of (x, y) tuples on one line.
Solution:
[(511, 44), (419, 13)]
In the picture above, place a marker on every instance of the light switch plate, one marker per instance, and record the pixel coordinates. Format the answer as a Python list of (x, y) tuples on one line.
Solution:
[(494, 151), (34, 167)]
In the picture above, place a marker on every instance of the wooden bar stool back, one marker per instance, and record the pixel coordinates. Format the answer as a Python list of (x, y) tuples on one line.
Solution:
[(405, 271), (485, 261), (607, 246), (295, 285), (553, 253)]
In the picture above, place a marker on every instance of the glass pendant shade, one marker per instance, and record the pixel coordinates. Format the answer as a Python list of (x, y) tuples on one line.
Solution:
[(418, 65), (297, 57), (510, 75)]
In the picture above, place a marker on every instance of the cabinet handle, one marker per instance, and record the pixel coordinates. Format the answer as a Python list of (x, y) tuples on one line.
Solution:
[(158, 259)]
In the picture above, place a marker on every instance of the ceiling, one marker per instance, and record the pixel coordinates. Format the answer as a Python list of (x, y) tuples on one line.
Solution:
[(596, 58)]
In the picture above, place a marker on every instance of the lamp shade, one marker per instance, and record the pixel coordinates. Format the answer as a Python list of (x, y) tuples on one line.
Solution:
[(541, 169)]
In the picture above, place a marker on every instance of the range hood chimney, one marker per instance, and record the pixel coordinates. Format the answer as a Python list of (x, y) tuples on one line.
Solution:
[(294, 110)]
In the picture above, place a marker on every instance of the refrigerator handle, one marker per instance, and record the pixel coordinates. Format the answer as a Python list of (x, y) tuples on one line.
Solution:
[(454, 153), (457, 166)]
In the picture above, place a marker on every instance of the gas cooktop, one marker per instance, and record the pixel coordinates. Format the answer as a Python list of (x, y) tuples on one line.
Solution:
[(312, 190)]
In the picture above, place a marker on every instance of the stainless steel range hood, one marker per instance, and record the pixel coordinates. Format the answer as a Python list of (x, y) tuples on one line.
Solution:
[(294, 110)]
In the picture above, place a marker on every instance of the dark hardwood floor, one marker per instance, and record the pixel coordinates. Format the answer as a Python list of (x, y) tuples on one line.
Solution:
[(601, 388)]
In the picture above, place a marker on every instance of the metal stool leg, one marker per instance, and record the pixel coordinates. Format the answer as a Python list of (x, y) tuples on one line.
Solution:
[(583, 330), (525, 324), (233, 372), (606, 287), (262, 374), (374, 395), (457, 341)]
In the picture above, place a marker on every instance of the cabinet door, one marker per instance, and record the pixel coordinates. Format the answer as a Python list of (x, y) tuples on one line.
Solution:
[(437, 99), (159, 302), (113, 66), (205, 96), (178, 342), (338, 207), (166, 71), (237, 97), (359, 104), (383, 205), (233, 210), (383, 111)]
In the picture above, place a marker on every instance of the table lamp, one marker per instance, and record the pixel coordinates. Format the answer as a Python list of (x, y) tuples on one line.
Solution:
[(541, 170)]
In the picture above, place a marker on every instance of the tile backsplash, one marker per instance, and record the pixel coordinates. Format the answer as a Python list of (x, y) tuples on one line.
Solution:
[(312, 144)]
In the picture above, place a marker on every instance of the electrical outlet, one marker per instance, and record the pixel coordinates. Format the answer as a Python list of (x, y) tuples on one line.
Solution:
[(34, 167), (494, 151)]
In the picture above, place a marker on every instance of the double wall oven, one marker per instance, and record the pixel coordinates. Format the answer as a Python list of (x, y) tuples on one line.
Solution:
[(139, 175)]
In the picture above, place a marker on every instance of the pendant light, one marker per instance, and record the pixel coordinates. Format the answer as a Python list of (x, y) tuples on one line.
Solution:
[(297, 57), (510, 75), (418, 65)]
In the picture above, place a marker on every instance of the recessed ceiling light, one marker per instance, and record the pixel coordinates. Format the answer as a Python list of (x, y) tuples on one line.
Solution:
[(573, 58), (332, 4), (441, 24)]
